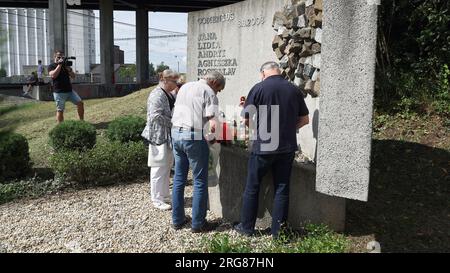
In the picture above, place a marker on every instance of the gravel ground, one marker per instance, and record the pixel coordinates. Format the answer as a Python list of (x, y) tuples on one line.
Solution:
[(114, 219)]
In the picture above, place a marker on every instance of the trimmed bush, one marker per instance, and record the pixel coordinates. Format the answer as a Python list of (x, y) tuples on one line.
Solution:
[(14, 156), (126, 129), (73, 135), (106, 163)]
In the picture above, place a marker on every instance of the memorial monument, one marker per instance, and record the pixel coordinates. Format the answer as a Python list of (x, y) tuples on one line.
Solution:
[(327, 49)]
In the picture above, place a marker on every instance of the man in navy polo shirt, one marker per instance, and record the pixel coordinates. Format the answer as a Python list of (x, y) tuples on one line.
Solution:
[(279, 110)]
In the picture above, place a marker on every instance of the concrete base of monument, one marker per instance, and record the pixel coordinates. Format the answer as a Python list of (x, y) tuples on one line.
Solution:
[(88, 91), (227, 184)]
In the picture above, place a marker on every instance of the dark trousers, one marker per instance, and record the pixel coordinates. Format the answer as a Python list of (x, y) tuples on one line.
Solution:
[(258, 166)]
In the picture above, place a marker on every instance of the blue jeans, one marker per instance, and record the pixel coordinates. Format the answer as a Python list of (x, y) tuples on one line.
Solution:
[(194, 153), (61, 98), (258, 166)]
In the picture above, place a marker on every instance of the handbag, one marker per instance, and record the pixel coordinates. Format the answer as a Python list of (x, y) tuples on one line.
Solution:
[(158, 155)]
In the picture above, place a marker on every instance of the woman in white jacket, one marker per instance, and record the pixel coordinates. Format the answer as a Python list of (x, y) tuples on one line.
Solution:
[(160, 158)]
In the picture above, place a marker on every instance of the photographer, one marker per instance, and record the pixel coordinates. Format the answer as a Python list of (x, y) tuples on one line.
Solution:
[(61, 74)]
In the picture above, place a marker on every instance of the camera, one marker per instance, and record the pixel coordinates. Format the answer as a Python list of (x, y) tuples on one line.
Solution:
[(66, 61)]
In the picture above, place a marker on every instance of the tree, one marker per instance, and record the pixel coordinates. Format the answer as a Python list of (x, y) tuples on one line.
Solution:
[(128, 71), (151, 70), (2, 73), (161, 67), (412, 57)]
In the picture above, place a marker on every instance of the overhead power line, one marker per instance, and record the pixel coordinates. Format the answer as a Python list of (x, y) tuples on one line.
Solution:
[(152, 37)]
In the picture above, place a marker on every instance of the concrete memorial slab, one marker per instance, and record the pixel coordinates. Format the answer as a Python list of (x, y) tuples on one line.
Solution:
[(348, 80)]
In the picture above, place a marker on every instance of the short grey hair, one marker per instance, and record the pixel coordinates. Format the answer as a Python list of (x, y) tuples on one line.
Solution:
[(269, 66), (168, 73), (215, 76)]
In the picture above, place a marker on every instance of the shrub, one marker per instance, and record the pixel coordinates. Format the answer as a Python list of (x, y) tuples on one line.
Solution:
[(106, 163), (29, 188), (73, 135), (14, 156), (126, 129)]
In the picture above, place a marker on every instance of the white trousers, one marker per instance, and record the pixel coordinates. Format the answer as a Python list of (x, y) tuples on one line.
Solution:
[(160, 179)]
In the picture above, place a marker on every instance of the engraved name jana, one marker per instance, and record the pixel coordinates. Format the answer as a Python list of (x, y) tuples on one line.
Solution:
[(211, 57)]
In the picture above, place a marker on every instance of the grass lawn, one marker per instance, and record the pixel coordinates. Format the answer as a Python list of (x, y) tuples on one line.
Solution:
[(409, 197), (35, 120)]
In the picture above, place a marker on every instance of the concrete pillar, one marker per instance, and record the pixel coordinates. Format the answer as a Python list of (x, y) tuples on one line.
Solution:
[(107, 44), (57, 25), (142, 50)]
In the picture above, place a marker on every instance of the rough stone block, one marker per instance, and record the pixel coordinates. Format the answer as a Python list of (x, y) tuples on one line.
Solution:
[(300, 83), (279, 20), (294, 24), (308, 60), (283, 45), (318, 5), (289, 12), (277, 40), (318, 20), (299, 9), (302, 21), (304, 33), (286, 34), (316, 48), (316, 60), (308, 43), (309, 3), (309, 85), (299, 71), (293, 61), (284, 62), (317, 35), (287, 49), (281, 30), (298, 2), (345, 125), (315, 91), (310, 13), (296, 48), (279, 53), (306, 51)]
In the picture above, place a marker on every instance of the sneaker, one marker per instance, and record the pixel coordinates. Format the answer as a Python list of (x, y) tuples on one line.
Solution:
[(239, 229), (207, 227), (187, 219), (162, 206), (168, 200)]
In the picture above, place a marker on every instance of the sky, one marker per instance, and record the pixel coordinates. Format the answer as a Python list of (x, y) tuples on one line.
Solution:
[(171, 51)]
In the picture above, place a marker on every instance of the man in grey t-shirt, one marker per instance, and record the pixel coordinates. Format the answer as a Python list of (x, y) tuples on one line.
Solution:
[(196, 104)]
